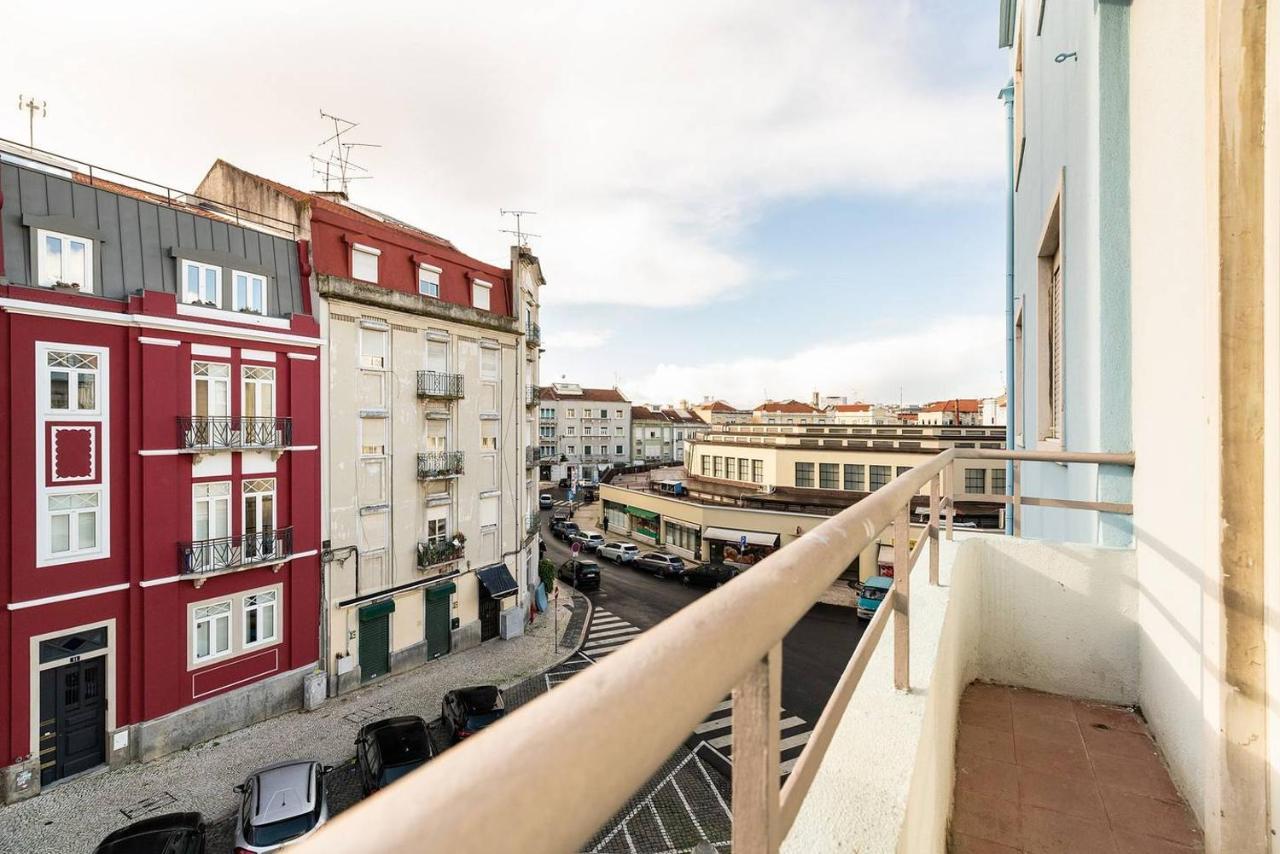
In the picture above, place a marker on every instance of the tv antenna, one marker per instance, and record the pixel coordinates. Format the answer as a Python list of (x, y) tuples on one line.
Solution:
[(519, 232), (31, 105), (338, 166)]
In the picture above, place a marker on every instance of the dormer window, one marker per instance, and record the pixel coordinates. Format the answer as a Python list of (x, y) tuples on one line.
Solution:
[(480, 294), (248, 292), (64, 261), (364, 262), (429, 281), (201, 284)]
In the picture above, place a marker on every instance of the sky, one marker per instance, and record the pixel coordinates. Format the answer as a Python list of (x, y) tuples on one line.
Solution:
[(735, 199)]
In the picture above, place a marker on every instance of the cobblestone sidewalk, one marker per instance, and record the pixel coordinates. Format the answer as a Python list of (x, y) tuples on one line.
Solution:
[(74, 816)]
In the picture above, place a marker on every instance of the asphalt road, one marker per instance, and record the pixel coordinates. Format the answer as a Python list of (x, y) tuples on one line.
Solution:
[(814, 653)]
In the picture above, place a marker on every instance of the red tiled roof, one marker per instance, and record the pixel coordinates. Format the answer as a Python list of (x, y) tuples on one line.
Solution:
[(644, 413), (852, 407), (963, 404), (686, 417), (717, 406), (790, 406), (602, 395)]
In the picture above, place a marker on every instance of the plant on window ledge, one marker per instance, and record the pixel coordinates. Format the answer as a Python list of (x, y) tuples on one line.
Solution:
[(247, 310), (66, 286), (207, 303), (459, 540)]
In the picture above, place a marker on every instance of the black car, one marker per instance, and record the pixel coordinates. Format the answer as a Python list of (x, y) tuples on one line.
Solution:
[(172, 833), (466, 711), (660, 564), (709, 575), (582, 574), (388, 749), (565, 530)]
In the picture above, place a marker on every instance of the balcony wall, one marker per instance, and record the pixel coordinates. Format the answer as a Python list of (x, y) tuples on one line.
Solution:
[(1053, 616)]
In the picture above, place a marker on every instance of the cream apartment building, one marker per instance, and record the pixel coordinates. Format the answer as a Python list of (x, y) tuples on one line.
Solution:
[(582, 431)]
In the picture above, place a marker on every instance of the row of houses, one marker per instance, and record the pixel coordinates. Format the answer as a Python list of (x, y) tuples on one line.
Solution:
[(956, 412), (263, 442)]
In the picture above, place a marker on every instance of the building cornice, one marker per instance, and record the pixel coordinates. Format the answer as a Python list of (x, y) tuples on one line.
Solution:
[(336, 287)]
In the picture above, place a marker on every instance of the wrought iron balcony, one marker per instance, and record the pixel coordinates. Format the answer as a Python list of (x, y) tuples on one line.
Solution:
[(234, 433), (202, 557), (532, 524), (533, 332), (436, 464), (435, 552), (532, 394), (532, 454), (441, 386)]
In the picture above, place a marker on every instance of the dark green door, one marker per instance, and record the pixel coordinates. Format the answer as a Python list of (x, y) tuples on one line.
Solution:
[(73, 707), (437, 626), (375, 644)]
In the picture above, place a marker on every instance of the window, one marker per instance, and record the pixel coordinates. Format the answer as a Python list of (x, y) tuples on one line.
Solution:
[(617, 413), (548, 414), (586, 429), (604, 413), (211, 630), (1017, 411), (260, 618), (744, 466), (573, 449), (717, 466), (211, 511), (429, 281), (706, 466), (618, 450), (211, 389), (373, 348), (258, 396), (879, 477), (975, 481), (488, 435), (571, 413), (489, 359), (569, 430), (901, 470), (249, 292), (480, 294), (64, 260), (1019, 107), (73, 522), (364, 262), (757, 471), (1049, 299), (201, 284), (547, 431), (684, 537), (804, 474), (854, 478), (730, 467), (259, 519), (586, 449), (829, 475), (371, 479), (437, 530), (617, 431), (68, 372), (997, 482)]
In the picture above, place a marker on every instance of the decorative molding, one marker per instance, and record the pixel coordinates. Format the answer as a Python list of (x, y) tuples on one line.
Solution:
[(152, 582), (305, 357), (238, 316), (337, 288), (67, 597), (161, 342), (259, 355), (210, 350)]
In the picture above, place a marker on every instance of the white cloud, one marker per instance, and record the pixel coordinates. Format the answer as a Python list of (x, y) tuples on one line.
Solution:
[(646, 135), (951, 357), (581, 339)]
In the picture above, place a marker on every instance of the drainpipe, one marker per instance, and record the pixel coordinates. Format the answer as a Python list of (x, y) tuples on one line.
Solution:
[(1010, 411)]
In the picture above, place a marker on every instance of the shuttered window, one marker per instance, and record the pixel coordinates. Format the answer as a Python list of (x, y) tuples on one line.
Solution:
[(1054, 430)]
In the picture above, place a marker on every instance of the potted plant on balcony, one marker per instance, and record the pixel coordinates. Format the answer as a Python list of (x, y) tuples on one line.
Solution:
[(66, 286)]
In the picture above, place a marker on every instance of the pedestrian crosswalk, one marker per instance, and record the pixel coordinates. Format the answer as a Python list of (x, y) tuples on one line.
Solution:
[(713, 738)]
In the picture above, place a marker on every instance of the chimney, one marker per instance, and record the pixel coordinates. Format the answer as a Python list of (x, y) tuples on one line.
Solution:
[(814, 404), (331, 195)]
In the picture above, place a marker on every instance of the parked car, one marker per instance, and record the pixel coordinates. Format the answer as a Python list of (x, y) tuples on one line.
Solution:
[(565, 530), (544, 501), (709, 575), (660, 564), (874, 589), (618, 552), (466, 711), (281, 804), (564, 483), (582, 574), (172, 833), (588, 492), (388, 749), (589, 540)]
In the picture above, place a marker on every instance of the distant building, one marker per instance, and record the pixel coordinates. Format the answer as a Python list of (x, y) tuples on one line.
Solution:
[(954, 412), (860, 413), (787, 412), (651, 436), (994, 411), (719, 412), (582, 431), (685, 425)]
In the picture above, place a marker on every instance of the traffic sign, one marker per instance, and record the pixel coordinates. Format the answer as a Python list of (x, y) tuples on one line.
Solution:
[(575, 548), (742, 543)]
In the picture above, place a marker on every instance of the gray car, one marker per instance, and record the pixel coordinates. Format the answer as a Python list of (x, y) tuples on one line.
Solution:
[(281, 804)]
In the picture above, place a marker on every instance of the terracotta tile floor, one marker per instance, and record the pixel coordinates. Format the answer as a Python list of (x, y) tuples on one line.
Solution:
[(1042, 774)]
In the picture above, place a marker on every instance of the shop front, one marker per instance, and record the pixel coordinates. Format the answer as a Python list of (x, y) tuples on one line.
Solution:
[(645, 524), (683, 538), (615, 519), (739, 548)]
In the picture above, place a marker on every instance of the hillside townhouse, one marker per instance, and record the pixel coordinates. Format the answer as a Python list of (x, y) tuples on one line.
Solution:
[(161, 402), (583, 431), (954, 412), (429, 379)]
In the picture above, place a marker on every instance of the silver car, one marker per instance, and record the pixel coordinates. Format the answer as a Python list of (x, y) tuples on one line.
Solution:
[(618, 552), (281, 804)]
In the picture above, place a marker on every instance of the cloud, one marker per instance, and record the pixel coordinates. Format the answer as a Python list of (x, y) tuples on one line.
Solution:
[(581, 339), (950, 357), (646, 135)]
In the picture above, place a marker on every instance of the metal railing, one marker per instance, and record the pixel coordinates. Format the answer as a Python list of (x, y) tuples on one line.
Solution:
[(226, 553), (533, 332), (532, 395), (234, 433), (434, 552), (532, 454), (532, 524), (435, 464), (437, 385), (614, 724)]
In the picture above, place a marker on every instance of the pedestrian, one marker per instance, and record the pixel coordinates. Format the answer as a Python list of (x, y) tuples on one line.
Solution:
[(604, 524)]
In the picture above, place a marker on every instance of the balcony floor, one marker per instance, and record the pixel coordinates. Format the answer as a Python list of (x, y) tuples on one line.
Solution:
[(1045, 773)]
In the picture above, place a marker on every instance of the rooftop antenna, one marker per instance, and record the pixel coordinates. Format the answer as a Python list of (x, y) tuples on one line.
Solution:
[(520, 234), (338, 166), (31, 105)]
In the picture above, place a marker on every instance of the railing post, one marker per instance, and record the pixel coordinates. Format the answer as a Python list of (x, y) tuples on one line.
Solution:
[(757, 702), (933, 531), (951, 500), (1017, 498), (901, 601)]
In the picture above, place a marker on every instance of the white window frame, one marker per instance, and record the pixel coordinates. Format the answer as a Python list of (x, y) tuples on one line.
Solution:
[(260, 388), (73, 514), (251, 279), (273, 605), (211, 502), (200, 295), (481, 292), (210, 380), (257, 494), (426, 286), (47, 281), (73, 382), (358, 250), (197, 619)]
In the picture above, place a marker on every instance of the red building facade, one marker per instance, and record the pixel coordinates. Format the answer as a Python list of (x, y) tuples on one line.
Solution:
[(160, 409)]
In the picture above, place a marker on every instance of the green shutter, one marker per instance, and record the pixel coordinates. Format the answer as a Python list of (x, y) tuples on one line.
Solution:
[(373, 612)]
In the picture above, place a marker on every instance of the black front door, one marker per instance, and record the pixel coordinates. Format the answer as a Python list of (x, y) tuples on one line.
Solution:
[(73, 718), (489, 609)]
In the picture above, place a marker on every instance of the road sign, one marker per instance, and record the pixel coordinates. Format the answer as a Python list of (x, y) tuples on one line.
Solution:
[(575, 548), (742, 543)]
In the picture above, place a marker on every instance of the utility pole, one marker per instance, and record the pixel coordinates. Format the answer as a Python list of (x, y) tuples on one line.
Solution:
[(31, 105)]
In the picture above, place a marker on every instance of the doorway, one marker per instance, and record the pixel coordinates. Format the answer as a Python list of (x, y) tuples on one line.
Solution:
[(73, 718)]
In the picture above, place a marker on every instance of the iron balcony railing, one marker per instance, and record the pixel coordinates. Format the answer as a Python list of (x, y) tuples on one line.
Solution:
[(441, 386), (728, 640), (227, 553), (532, 394), (435, 552), (532, 454), (234, 433), (435, 464), (533, 332)]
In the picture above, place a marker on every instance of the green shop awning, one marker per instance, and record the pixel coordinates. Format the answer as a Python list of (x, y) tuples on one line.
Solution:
[(376, 610), (440, 591), (643, 514)]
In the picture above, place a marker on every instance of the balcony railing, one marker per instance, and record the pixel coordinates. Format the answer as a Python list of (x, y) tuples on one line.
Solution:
[(684, 667), (435, 552), (532, 524), (533, 333), (234, 433), (440, 386), (532, 454), (434, 464), (227, 553), (532, 394)]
